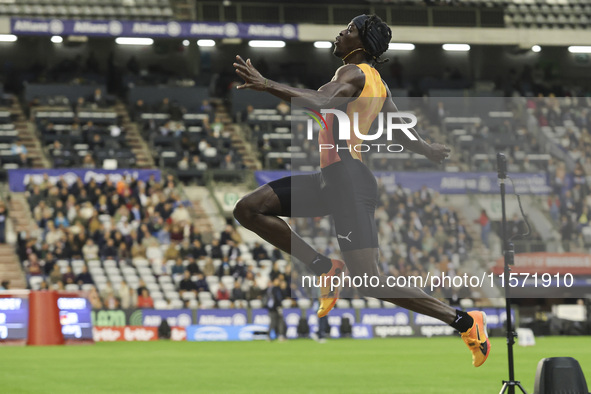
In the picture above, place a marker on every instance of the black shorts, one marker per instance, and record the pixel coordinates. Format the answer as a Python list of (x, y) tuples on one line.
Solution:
[(345, 190)]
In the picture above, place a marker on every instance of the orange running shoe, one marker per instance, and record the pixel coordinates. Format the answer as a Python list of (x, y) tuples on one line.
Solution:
[(477, 339), (329, 296)]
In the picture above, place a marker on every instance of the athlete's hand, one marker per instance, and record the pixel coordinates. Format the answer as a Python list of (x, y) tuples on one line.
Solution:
[(252, 78), (437, 153)]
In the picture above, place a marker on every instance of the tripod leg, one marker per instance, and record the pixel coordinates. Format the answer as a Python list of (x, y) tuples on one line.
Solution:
[(521, 388), (504, 388)]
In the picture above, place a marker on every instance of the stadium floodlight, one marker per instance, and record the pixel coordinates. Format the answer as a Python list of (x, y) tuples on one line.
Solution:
[(57, 39), (8, 38), (456, 47), (323, 44), (536, 48), (186, 43), (579, 49), (134, 41), (266, 44), (401, 46), (206, 43)]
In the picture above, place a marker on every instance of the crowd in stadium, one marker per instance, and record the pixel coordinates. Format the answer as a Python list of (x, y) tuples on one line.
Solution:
[(131, 219)]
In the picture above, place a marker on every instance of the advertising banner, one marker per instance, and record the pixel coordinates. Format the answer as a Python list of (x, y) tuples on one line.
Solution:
[(225, 333), (548, 263), (14, 318), (443, 182), (154, 29), (222, 317), (175, 317), (124, 334)]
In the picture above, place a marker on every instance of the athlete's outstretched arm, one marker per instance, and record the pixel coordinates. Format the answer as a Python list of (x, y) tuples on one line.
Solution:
[(348, 81), (434, 152)]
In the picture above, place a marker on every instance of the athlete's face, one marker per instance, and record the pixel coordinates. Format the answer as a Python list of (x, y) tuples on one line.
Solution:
[(347, 41)]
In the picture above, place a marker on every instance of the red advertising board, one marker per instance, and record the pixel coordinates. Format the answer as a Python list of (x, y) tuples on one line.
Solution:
[(551, 263), (126, 333), (178, 334)]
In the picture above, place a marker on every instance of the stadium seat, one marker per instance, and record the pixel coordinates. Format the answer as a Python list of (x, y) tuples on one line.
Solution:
[(228, 281), (171, 294), (224, 304), (466, 303), (256, 304), (160, 304), (343, 303), (240, 304), (390, 305), (188, 295), (358, 303), (207, 304), (35, 282), (192, 304), (374, 303), (288, 303), (304, 303), (87, 287), (72, 287), (176, 304), (205, 296)]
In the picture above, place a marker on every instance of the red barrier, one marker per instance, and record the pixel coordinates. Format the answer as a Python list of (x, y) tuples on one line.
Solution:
[(44, 319), (551, 263)]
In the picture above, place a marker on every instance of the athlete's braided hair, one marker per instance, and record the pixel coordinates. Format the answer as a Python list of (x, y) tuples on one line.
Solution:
[(375, 35)]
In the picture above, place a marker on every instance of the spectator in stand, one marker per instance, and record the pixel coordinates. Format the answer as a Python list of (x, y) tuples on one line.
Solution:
[(197, 164), (193, 267), (107, 290), (216, 249), (110, 250), (171, 253), (84, 277), (98, 98), (18, 148), (68, 277), (55, 276), (259, 252), (208, 268), (224, 269), (138, 109), (183, 164), (566, 232), (253, 291), (141, 287), (197, 250), (5, 285), (186, 284), (201, 283), (88, 161), (228, 163), (228, 234), (50, 262), (61, 220), (144, 300), (237, 292), (239, 269), (125, 295), (223, 293), (283, 108), (485, 225), (177, 268)]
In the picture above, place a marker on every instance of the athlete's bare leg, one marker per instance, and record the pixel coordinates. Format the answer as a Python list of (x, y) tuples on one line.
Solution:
[(364, 261), (259, 212)]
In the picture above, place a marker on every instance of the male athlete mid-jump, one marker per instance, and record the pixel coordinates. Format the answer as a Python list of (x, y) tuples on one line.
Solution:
[(345, 188)]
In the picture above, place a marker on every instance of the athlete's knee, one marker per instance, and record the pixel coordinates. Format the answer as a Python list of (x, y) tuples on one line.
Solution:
[(243, 211)]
